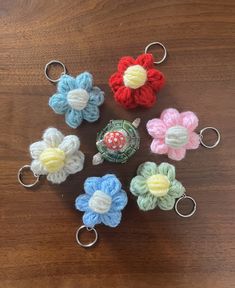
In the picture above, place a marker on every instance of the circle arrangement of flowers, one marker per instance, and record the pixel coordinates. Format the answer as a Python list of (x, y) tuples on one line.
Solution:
[(136, 82), (56, 156), (156, 186), (77, 99), (174, 133), (103, 201)]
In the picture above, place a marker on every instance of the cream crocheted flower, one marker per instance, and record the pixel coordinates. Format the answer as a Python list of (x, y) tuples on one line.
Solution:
[(56, 156), (156, 186)]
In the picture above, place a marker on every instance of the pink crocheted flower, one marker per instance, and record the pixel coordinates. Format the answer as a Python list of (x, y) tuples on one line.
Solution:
[(174, 133)]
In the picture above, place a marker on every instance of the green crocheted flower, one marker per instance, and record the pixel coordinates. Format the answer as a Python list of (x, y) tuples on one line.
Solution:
[(156, 186)]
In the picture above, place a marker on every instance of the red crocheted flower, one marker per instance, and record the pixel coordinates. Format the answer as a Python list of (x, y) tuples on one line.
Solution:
[(136, 82)]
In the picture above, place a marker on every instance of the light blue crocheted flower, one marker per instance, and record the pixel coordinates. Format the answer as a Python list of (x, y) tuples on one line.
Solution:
[(103, 201), (77, 99)]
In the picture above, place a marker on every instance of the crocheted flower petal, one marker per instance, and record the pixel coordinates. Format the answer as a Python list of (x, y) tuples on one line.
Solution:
[(110, 184), (57, 177), (156, 79), (193, 142), (176, 154), (65, 84), (147, 169), (119, 200), (37, 148), (74, 163), (92, 184), (138, 185), (147, 202), (167, 170), (170, 117), (145, 60), (91, 113), (176, 189), (166, 202), (37, 168), (70, 144), (156, 128), (111, 219), (58, 103), (53, 137), (84, 81), (189, 120), (90, 219), (145, 96), (81, 202), (158, 146), (116, 81), (124, 96), (125, 62), (73, 118), (96, 96)]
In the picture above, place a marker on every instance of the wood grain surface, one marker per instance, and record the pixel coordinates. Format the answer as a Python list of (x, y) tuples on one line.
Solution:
[(154, 249)]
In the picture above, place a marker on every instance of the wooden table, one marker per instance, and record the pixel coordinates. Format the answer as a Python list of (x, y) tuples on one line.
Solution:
[(154, 249)]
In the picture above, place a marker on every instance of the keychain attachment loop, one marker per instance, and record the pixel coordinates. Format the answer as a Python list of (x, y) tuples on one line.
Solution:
[(52, 62), (193, 209), (20, 176), (86, 245), (201, 137), (158, 44)]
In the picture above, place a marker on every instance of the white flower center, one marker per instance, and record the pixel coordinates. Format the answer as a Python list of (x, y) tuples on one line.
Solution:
[(135, 76), (78, 99), (176, 136), (100, 202)]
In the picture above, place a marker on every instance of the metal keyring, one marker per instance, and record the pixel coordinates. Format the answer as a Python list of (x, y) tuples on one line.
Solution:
[(51, 63), (201, 137), (88, 229), (159, 44), (193, 209), (20, 174)]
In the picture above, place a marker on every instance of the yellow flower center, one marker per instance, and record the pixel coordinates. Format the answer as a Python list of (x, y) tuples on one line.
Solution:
[(158, 185), (135, 76), (52, 159)]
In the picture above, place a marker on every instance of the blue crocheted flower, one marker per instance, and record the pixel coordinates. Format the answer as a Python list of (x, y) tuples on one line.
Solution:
[(77, 99), (103, 201)]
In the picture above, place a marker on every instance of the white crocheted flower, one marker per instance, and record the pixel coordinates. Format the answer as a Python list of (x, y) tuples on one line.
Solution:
[(56, 156)]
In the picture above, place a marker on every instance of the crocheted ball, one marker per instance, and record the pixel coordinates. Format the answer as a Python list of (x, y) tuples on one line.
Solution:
[(135, 76), (78, 98), (115, 140), (52, 159)]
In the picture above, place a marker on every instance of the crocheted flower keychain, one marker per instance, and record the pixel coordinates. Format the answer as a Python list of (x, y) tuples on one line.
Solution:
[(156, 186), (56, 156), (137, 82), (77, 98), (173, 133), (117, 142), (102, 202)]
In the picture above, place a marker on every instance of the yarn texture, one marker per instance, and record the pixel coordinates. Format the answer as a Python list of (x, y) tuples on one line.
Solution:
[(136, 82), (56, 156), (173, 133), (102, 202), (156, 186), (77, 99)]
